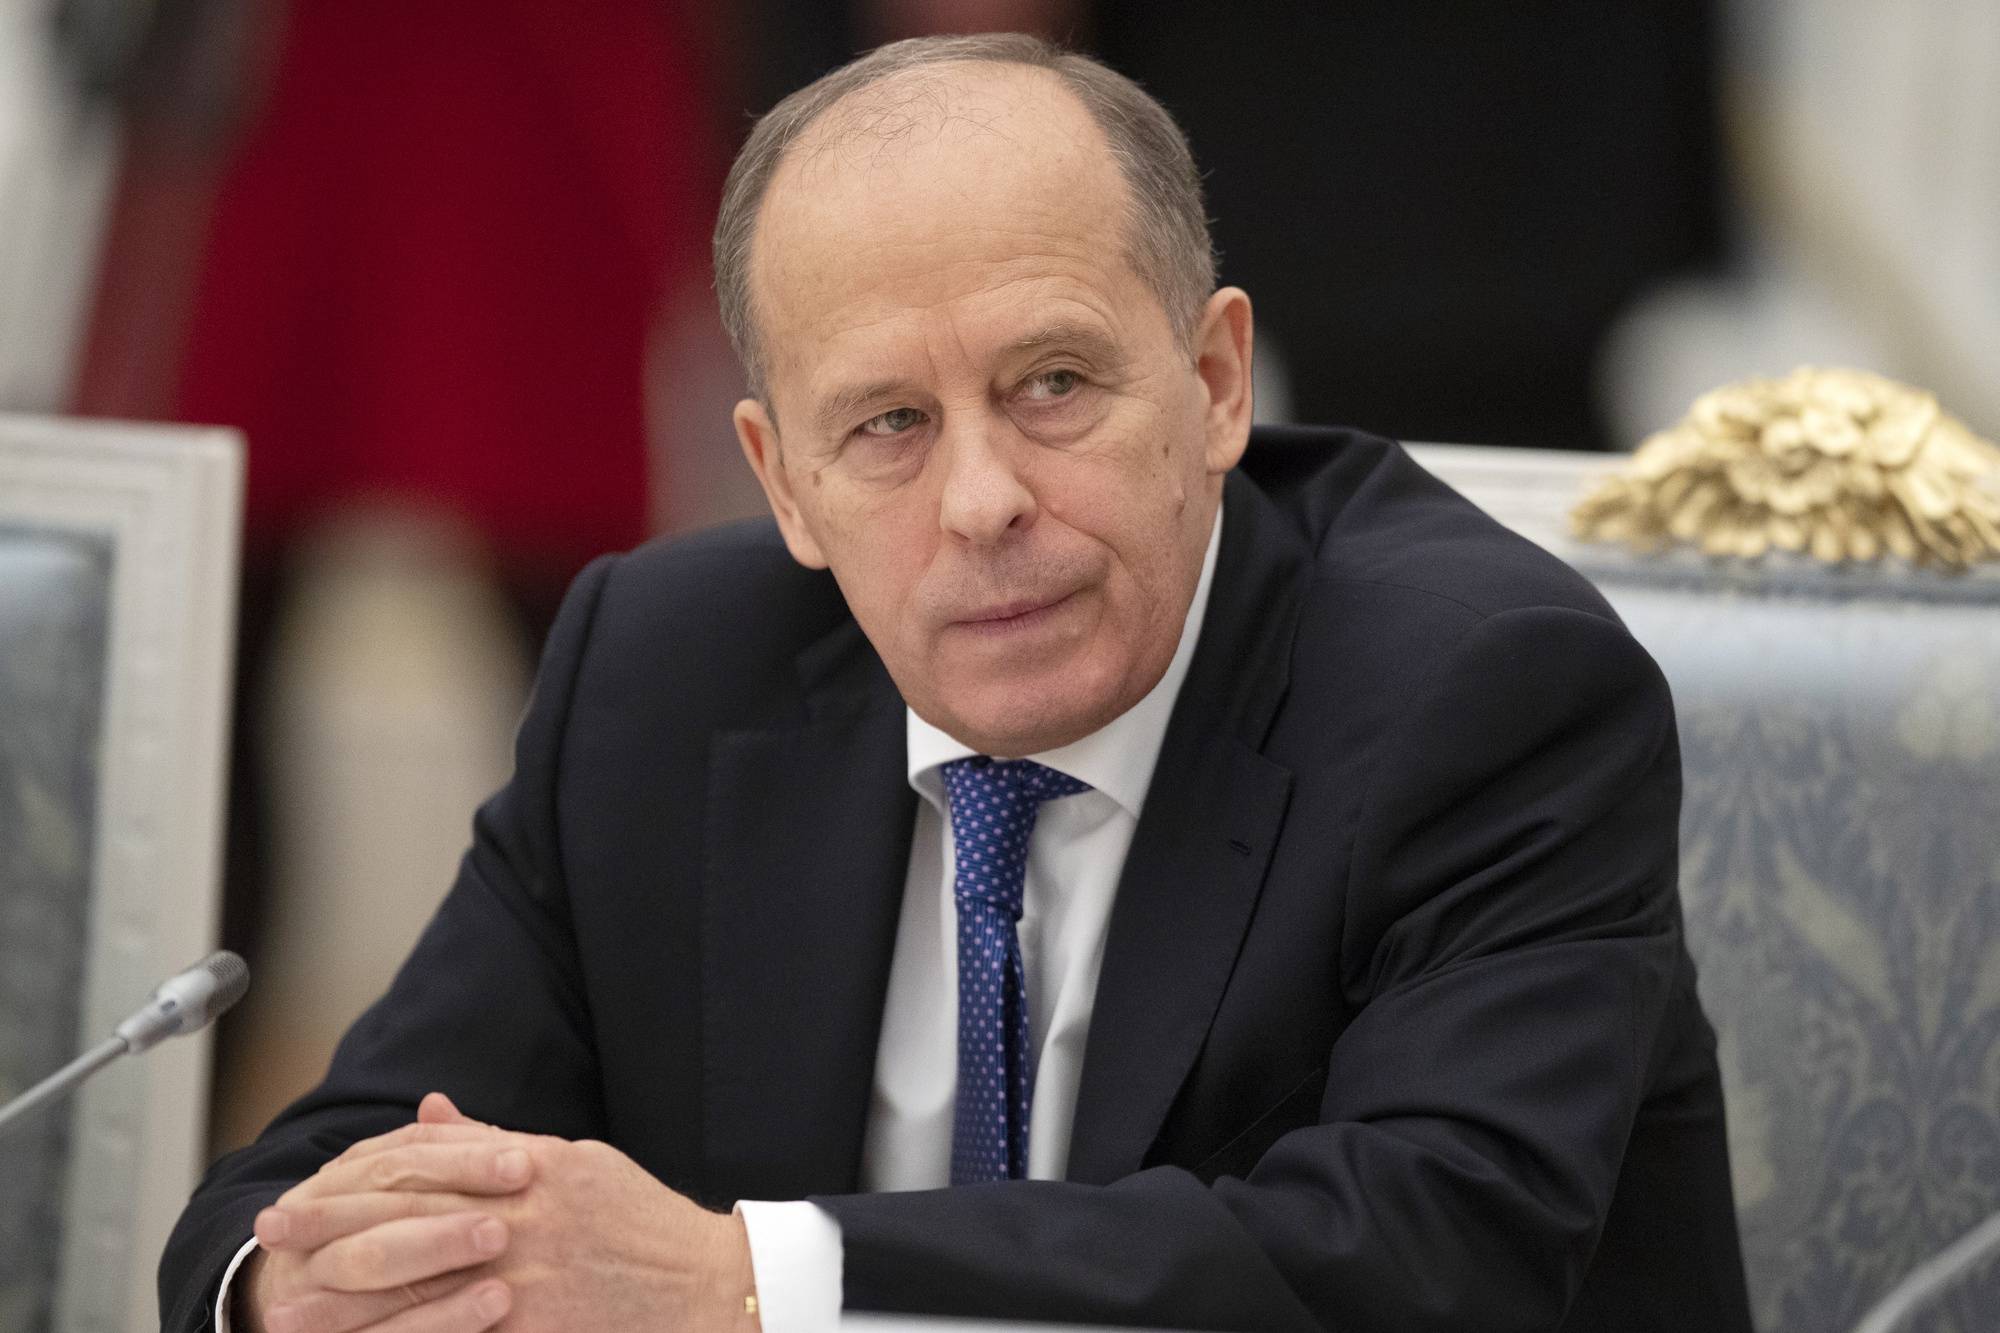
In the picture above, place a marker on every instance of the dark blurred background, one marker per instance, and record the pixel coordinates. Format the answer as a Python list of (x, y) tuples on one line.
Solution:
[(445, 262), (1438, 209)]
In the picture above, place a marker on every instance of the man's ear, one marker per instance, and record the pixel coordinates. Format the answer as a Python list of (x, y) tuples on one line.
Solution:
[(1222, 361), (758, 434)]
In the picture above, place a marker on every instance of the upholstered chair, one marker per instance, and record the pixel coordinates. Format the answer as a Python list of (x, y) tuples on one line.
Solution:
[(1840, 879)]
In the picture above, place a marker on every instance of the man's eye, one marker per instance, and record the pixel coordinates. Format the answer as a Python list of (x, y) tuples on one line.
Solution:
[(893, 422), (1051, 384)]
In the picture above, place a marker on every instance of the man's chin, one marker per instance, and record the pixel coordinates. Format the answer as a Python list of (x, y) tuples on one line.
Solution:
[(1028, 718)]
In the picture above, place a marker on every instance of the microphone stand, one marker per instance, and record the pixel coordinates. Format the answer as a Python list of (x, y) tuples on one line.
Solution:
[(183, 1003), (60, 1082), (1932, 1278)]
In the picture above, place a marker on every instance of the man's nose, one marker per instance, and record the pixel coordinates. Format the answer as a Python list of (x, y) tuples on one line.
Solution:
[(984, 495)]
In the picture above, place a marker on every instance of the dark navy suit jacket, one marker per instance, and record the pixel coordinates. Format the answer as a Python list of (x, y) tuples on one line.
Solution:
[(1396, 1029)]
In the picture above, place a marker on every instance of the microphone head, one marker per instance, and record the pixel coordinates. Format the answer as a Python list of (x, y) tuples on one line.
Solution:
[(187, 1002), (231, 982)]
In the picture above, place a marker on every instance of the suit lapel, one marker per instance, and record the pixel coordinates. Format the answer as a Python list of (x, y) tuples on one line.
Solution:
[(808, 836), (1199, 855)]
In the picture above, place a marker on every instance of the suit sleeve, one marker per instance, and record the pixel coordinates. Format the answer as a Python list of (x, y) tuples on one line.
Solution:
[(489, 1007), (1511, 940)]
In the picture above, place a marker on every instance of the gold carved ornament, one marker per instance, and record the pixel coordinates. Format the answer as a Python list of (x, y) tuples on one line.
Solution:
[(1843, 464)]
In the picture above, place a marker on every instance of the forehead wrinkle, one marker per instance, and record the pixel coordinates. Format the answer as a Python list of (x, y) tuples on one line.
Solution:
[(790, 273), (1091, 327), (1092, 342), (1058, 209), (983, 277)]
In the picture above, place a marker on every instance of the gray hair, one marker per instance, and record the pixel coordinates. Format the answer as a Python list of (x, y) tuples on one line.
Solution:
[(1167, 244)]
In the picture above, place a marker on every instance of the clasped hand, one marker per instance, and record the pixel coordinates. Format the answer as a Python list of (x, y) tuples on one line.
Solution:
[(450, 1226)]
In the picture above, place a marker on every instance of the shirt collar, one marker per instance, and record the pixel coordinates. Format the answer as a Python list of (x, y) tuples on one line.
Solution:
[(1117, 759)]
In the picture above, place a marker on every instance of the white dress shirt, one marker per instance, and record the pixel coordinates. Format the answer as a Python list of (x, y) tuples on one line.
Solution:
[(1075, 857)]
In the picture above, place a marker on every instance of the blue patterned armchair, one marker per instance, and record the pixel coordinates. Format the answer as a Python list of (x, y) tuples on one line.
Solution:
[(1840, 875), (54, 601)]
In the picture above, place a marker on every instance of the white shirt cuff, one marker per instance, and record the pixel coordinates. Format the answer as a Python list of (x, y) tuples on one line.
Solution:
[(795, 1258), (229, 1275)]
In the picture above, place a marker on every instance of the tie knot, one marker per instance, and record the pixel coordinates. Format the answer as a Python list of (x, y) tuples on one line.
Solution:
[(980, 778), (993, 807)]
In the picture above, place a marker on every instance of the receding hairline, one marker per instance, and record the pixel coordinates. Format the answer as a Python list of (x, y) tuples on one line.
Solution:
[(1166, 236), (834, 128), (930, 95)]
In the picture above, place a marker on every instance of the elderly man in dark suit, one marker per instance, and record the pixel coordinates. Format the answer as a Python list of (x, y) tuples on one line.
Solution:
[(1051, 872)]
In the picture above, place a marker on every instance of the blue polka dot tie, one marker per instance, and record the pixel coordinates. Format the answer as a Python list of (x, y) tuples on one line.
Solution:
[(993, 808)]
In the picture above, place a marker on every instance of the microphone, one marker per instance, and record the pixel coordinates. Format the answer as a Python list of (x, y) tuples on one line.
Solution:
[(182, 1004), (187, 1003)]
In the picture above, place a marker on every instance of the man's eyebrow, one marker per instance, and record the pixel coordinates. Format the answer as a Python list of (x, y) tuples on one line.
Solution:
[(1086, 340), (832, 412)]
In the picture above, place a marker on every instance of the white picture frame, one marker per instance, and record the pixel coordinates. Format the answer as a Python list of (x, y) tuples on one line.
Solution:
[(168, 500)]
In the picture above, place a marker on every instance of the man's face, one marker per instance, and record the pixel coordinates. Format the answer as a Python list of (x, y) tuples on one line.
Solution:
[(984, 423)]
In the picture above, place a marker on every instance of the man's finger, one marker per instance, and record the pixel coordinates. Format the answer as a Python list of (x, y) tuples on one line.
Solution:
[(484, 1166), (438, 1109), (344, 1311), (478, 1307), (308, 1223), (462, 1131), (407, 1250)]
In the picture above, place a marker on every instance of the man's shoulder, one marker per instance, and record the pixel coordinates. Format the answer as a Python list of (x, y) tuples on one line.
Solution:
[(719, 571), (708, 625), (1379, 525), (1408, 594)]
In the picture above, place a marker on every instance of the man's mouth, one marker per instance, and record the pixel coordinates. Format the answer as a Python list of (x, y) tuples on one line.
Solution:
[(1013, 615)]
